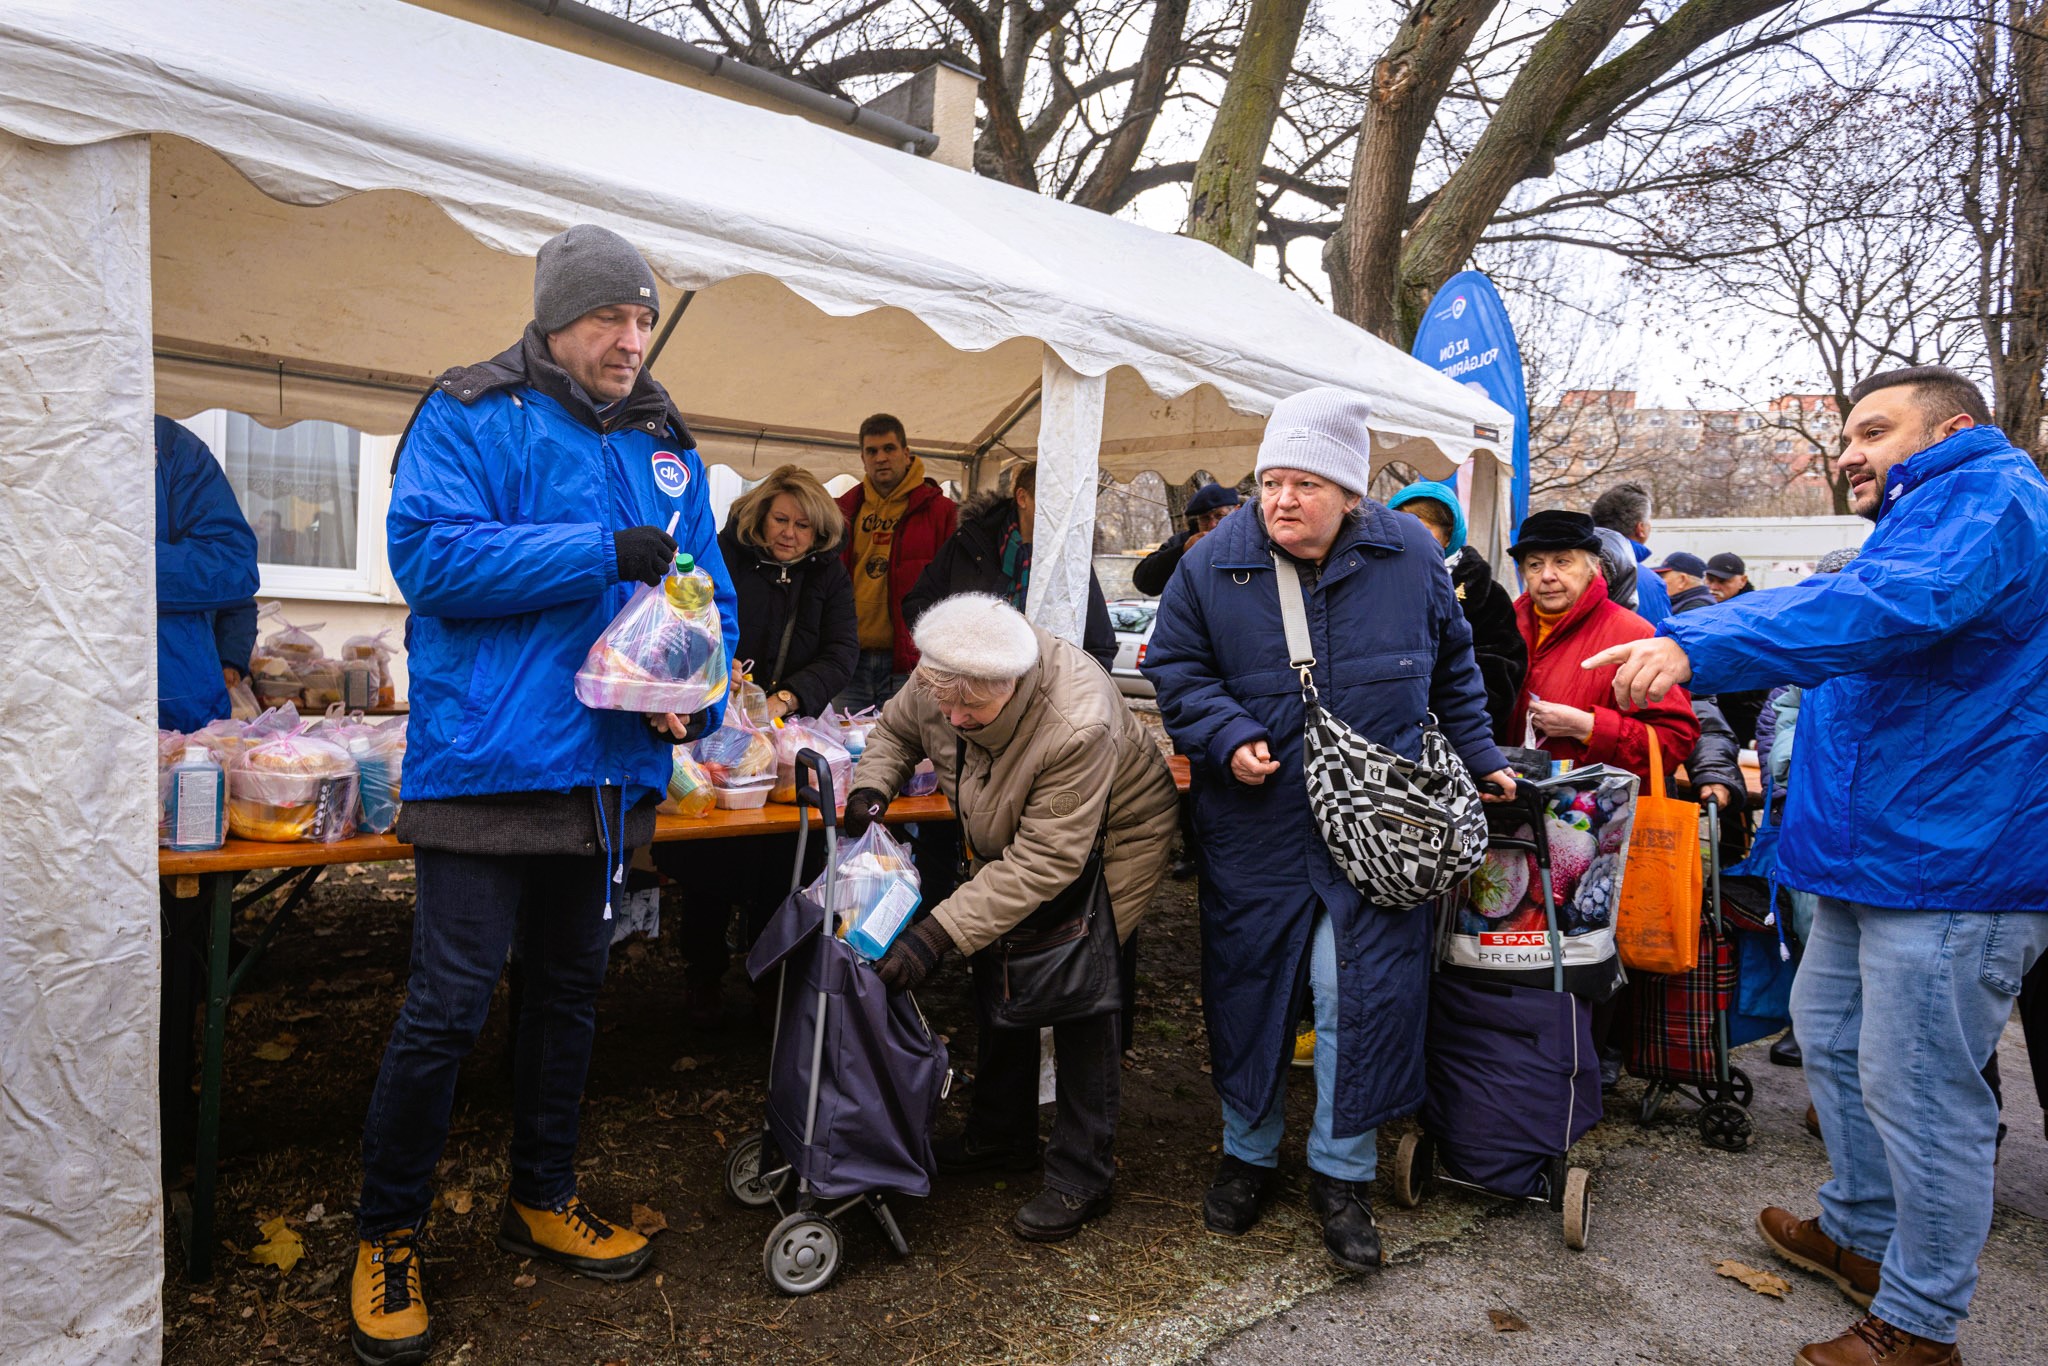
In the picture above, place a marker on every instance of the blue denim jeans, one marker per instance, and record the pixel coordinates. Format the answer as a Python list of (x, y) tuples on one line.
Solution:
[(1896, 1013), (470, 909), (1344, 1159), (874, 681)]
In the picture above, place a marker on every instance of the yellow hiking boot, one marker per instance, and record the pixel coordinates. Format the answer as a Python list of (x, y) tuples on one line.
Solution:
[(570, 1235), (1305, 1048), (388, 1309)]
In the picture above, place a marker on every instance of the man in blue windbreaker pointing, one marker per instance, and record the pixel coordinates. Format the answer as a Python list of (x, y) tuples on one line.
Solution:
[(531, 494), (205, 583), (1915, 812)]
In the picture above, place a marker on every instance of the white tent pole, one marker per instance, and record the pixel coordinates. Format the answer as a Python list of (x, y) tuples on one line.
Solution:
[(81, 1205), (1063, 541)]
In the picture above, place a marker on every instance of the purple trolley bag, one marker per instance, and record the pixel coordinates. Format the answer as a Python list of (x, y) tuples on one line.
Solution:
[(855, 1076), (1513, 1080)]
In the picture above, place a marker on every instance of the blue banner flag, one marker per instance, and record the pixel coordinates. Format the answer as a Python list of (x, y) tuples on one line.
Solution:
[(1466, 335)]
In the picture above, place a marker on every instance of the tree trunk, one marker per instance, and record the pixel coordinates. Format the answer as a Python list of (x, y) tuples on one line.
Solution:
[(2016, 365), (1157, 66), (1223, 207), (1408, 83), (1517, 142)]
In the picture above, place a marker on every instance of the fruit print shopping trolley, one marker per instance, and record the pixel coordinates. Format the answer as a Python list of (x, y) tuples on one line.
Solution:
[(855, 1076), (1513, 1078)]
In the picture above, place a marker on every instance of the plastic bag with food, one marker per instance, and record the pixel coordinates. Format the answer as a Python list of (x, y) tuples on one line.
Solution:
[(319, 682), (874, 891), (273, 680), (242, 703), (736, 751), (924, 780), (663, 652), (292, 642), (800, 734), (170, 747), (689, 787), (751, 699), (379, 754), (366, 671), (294, 787)]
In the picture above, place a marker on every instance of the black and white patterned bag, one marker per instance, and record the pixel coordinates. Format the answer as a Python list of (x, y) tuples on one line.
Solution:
[(1404, 831)]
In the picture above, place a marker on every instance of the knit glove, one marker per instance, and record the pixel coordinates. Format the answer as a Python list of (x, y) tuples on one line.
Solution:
[(864, 805), (913, 956), (643, 554)]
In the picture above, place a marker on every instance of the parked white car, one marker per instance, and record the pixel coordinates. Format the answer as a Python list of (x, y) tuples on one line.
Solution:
[(1133, 619)]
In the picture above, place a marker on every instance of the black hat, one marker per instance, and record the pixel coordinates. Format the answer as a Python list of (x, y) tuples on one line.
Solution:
[(1682, 562), (1725, 566), (1555, 530), (1210, 497)]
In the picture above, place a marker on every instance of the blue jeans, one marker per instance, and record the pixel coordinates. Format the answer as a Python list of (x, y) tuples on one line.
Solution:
[(1896, 1013), (470, 908), (874, 681), (1344, 1159)]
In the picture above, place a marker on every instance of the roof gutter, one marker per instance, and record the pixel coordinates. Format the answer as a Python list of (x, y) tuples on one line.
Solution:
[(906, 136)]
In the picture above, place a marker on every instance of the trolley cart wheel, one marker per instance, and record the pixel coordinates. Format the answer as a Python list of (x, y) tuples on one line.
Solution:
[(1726, 1126), (1578, 1208), (898, 1244), (1554, 1177), (1738, 1090), (1414, 1169), (802, 1254), (743, 1179)]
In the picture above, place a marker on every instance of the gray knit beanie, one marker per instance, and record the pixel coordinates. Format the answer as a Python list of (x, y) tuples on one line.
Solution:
[(1321, 431), (588, 267)]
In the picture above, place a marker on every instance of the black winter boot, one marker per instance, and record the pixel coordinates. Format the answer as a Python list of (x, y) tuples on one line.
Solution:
[(1238, 1196), (1349, 1234)]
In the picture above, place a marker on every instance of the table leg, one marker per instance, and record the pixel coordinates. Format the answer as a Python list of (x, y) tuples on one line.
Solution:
[(218, 892)]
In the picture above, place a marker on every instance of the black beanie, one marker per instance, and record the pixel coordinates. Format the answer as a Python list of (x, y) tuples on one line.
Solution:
[(588, 267)]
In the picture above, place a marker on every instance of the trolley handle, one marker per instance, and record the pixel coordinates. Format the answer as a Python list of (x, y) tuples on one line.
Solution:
[(814, 787)]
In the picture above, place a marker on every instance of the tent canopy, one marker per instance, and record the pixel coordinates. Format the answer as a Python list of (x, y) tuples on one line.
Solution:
[(323, 247)]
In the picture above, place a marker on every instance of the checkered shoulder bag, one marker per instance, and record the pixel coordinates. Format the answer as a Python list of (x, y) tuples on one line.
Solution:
[(1404, 831)]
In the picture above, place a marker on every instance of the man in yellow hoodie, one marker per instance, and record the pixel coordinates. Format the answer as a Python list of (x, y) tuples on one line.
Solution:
[(896, 521)]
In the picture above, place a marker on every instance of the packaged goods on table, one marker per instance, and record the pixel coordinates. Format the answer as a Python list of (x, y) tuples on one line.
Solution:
[(293, 788), (170, 747), (195, 802), (736, 751), (319, 683), (689, 787), (924, 780), (793, 737), (753, 701), (273, 680), (366, 665), (663, 652), (874, 891)]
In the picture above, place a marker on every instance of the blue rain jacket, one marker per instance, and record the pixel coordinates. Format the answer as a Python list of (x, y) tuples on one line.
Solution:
[(501, 524), (1920, 776), (205, 582), (1391, 645), (1653, 600)]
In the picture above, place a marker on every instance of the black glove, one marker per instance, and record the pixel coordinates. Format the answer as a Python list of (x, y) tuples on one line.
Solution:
[(864, 805), (913, 956), (693, 726), (644, 553)]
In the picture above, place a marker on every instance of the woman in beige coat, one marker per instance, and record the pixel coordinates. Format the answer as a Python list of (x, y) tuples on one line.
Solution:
[(1031, 741)]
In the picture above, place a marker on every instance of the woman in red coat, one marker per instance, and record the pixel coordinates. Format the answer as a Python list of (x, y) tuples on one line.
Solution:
[(1566, 617)]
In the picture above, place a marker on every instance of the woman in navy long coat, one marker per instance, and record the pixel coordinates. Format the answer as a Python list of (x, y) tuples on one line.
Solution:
[(1278, 916)]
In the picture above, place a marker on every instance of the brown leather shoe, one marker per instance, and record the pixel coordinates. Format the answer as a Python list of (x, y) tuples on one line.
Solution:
[(1873, 1342), (1800, 1242), (1813, 1123)]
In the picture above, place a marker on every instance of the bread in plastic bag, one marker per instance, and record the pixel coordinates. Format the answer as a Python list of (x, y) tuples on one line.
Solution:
[(294, 787), (874, 891), (663, 652), (170, 747), (293, 642), (368, 658)]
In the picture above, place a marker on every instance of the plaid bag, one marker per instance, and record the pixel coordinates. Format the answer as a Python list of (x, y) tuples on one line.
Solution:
[(1403, 831), (1675, 1015)]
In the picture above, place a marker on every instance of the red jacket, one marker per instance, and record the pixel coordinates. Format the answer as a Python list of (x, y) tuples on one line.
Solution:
[(1619, 738), (920, 531)]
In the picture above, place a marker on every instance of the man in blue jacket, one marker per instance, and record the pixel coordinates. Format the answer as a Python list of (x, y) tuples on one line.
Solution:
[(1914, 813), (205, 583), (531, 495)]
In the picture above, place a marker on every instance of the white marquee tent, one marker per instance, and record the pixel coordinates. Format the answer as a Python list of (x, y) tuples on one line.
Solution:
[(306, 208)]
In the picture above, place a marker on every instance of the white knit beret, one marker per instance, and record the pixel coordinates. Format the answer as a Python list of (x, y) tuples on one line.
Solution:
[(978, 636), (1320, 431)]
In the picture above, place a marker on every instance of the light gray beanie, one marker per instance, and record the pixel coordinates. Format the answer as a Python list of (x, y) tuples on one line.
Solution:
[(588, 267), (1320, 431)]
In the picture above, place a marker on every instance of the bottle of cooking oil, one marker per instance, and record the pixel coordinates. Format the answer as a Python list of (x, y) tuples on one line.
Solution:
[(689, 588)]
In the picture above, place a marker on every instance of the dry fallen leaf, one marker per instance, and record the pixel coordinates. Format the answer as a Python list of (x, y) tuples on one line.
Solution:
[(278, 1049), (1763, 1282), (282, 1247), (648, 1222), (523, 1281), (683, 1065), (459, 1201), (1506, 1321)]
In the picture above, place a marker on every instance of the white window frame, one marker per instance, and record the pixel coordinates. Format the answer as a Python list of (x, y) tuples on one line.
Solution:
[(370, 580)]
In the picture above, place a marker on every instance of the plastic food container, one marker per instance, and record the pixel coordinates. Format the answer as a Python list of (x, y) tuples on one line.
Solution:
[(747, 796)]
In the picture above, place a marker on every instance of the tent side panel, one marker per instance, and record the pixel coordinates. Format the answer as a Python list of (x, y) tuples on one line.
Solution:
[(81, 1207), (1063, 541)]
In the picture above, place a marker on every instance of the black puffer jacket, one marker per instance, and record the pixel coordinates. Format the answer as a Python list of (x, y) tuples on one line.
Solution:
[(971, 561), (824, 644), (1496, 639), (1716, 758)]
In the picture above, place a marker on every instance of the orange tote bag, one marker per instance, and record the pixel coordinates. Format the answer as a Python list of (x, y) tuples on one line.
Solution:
[(1657, 928)]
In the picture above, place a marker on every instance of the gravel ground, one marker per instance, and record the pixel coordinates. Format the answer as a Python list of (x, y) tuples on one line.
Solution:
[(1666, 1209)]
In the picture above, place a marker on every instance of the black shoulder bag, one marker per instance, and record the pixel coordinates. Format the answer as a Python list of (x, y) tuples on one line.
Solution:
[(1060, 962)]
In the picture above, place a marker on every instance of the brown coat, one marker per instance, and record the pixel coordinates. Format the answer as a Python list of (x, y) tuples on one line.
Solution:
[(1035, 782)]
